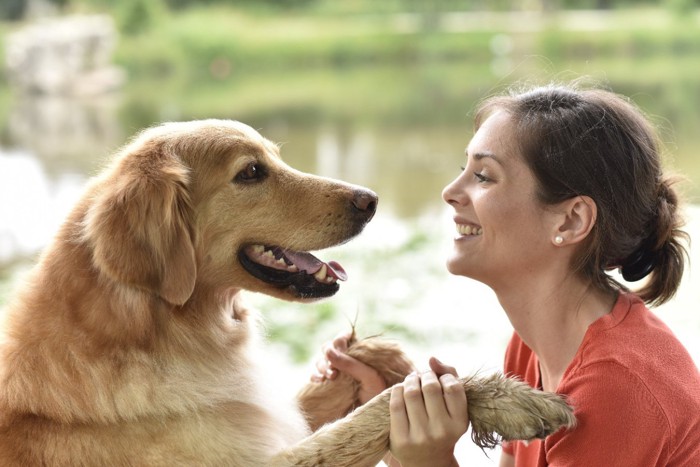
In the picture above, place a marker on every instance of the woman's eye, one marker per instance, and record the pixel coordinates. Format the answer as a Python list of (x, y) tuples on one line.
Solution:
[(481, 178), (252, 172)]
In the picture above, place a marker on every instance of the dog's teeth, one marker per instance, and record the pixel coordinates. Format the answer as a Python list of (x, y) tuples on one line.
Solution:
[(258, 249), (281, 262), (321, 274), (269, 254), (330, 280), (292, 268)]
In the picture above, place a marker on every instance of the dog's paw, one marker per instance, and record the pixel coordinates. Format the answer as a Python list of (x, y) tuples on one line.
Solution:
[(329, 400), (505, 409), (324, 402), (384, 356)]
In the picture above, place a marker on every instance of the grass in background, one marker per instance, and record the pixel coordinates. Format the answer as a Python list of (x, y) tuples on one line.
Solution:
[(191, 40)]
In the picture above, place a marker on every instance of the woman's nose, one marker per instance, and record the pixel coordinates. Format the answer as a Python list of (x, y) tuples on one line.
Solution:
[(453, 193)]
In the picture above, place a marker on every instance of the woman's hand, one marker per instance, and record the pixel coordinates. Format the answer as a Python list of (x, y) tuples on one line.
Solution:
[(428, 416), (337, 360)]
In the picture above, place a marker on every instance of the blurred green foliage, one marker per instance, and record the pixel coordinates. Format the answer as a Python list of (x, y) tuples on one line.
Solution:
[(196, 41), (15, 9), (136, 17), (216, 42)]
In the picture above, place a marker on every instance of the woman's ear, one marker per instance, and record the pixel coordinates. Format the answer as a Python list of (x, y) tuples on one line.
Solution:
[(575, 219), (138, 224)]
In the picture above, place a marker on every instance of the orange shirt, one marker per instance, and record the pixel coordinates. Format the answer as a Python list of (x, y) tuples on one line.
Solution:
[(635, 390)]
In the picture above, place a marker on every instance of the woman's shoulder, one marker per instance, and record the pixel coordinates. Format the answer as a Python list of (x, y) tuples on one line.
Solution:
[(609, 396), (633, 337), (635, 367)]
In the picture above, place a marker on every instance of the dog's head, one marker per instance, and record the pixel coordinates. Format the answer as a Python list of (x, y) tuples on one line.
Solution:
[(210, 204)]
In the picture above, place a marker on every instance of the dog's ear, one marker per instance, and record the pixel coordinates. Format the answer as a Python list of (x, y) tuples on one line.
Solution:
[(138, 223)]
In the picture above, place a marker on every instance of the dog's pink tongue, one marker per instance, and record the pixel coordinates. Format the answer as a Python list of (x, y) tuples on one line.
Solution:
[(311, 265), (336, 270)]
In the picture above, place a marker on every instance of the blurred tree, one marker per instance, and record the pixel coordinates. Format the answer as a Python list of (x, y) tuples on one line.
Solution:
[(60, 3), (12, 9), (682, 7), (137, 16)]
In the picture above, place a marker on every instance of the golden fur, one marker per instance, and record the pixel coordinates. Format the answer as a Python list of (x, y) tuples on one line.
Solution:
[(129, 343)]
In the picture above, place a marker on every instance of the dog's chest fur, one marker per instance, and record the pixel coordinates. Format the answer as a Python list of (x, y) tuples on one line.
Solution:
[(152, 406)]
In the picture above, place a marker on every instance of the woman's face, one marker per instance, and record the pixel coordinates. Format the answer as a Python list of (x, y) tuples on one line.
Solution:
[(502, 233)]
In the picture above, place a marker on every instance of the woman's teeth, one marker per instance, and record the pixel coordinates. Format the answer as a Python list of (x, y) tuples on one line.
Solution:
[(469, 230)]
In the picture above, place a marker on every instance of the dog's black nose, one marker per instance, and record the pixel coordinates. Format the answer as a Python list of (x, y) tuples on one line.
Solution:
[(365, 200)]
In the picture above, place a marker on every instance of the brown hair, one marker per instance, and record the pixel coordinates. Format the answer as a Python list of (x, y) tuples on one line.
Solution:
[(598, 144)]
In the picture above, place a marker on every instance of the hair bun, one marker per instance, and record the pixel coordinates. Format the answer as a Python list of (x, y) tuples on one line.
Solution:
[(639, 264), (643, 260)]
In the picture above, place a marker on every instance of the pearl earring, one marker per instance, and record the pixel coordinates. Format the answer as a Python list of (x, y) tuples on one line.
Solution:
[(558, 239)]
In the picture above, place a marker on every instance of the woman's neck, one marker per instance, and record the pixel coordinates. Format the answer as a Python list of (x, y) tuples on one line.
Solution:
[(552, 317)]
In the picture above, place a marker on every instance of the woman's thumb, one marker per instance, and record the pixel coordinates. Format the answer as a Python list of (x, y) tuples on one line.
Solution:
[(440, 368)]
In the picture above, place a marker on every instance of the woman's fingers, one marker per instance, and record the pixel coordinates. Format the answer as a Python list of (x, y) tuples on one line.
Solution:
[(433, 396), (455, 398), (355, 368), (325, 368), (341, 341), (428, 416), (371, 382), (397, 410), (413, 398), (336, 360), (427, 397)]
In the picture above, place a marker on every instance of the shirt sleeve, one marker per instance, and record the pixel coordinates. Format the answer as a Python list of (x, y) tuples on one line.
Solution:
[(512, 364), (619, 422)]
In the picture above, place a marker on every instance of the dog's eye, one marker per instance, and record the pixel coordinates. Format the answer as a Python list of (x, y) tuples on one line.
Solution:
[(252, 172)]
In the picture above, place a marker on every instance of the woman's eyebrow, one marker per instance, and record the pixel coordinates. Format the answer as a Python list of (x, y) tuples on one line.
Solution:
[(483, 155)]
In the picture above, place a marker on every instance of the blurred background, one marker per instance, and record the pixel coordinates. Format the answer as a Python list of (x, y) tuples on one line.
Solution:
[(378, 93)]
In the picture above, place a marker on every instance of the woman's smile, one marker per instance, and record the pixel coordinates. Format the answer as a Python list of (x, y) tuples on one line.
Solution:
[(468, 230)]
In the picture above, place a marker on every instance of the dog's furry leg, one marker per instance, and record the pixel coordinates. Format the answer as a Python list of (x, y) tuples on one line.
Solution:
[(360, 439), (499, 409)]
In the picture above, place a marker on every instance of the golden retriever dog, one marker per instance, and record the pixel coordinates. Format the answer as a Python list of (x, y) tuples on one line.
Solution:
[(129, 344)]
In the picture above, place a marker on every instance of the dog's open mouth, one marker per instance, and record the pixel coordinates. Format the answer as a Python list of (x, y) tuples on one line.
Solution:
[(300, 272)]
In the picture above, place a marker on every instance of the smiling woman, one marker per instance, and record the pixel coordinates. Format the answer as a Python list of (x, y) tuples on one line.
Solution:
[(565, 184)]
